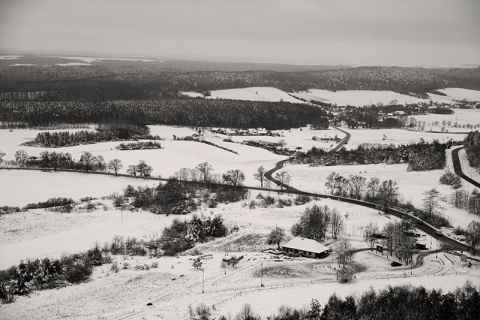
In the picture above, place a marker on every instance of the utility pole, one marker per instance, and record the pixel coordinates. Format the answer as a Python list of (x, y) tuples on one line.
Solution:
[(261, 275), (203, 282), (225, 263)]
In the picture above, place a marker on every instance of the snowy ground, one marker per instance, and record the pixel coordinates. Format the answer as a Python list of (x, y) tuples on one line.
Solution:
[(368, 97), (461, 94), (18, 187), (267, 302), (466, 168), (411, 184), (254, 94), (461, 116), (356, 97), (395, 136), (294, 138), (173, 156), (175, 284)]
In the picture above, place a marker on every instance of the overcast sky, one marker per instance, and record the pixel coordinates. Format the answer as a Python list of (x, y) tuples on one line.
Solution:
[(400, 32)]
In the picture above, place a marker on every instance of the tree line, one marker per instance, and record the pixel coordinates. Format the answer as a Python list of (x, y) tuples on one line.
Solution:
[(394, 302), (110, 82), (386, 194), (472, 148), (195, 112), (55, 139), (419, 156)]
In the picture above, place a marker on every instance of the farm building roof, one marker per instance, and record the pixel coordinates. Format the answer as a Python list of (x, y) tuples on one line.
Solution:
[(305, 244)]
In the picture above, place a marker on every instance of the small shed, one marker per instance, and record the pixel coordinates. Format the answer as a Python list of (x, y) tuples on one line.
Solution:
[(306, 247)]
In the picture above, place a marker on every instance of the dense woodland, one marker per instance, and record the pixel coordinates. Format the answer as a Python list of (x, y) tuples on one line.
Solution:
[(420, 156), (106, 82), (48, 139), (472, 148), (192, 112)]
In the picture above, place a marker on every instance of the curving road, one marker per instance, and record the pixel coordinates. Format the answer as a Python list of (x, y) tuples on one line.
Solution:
[(457, 167)]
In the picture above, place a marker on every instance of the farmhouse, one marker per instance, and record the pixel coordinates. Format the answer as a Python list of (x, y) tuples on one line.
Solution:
[(305, 247)]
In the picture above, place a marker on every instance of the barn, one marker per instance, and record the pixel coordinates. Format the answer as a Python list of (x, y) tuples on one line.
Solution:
[(306, 247)]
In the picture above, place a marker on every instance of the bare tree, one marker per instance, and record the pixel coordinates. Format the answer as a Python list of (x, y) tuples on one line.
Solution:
[(356, 184), (234, 177), (373, 187), (144, 169), (87, 159), (283, 177), (473, 235), (132, 170), (205, 168), (344, 248), (100, 162), (370, 230), (21, 157), (260, 175), (336, 223), (388, 193), (430, 201), (115, 165)]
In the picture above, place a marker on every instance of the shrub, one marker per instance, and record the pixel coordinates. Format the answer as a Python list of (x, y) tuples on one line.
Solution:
[(114, 267), (94, 256), (268, 201), (284, 203), (76, 269), (345, 275), (451, 179), (154, 264), (252, 204), (117, 245), (301, 199)]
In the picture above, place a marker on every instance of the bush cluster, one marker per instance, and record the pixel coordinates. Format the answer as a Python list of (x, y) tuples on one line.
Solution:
[(140, 145), (180, 197), (52, 202), (48, 273), (65, 138), (451, 179), (420, 157)]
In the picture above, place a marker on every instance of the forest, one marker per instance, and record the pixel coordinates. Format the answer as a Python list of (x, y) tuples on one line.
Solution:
[(472, 148), (189, 112), (106, 82)]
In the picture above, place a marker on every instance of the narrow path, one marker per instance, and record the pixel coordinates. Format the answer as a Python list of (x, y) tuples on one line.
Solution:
[(457, 167)]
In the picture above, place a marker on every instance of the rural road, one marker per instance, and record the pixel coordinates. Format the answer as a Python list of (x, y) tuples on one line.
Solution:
[(457, 167)]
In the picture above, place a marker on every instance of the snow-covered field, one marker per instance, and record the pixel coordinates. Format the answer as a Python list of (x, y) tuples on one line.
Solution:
[(411, 184), (461, 94), (361, 98), (18, 187), (73, 234), (396, 136), (173, 156), (461, 116), (294, 138), (254, 94), (356, 97)]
